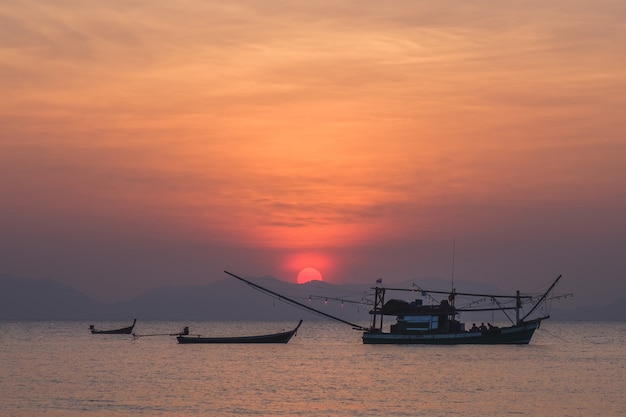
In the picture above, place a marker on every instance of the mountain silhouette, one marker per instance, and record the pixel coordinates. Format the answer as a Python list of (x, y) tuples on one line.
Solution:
[(231, 300)]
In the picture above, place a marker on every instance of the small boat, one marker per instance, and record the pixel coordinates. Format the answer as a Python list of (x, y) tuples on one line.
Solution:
[(123, 330), (437, 324), (282, 337)]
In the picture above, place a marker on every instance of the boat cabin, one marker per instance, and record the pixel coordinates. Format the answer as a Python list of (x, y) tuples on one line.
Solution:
[(417, 318), (414, 317)]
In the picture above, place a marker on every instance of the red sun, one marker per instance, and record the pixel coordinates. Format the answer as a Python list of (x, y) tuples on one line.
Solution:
[(309, 274)]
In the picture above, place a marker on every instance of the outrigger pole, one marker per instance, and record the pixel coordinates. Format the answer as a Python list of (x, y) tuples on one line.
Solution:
[(543, 297), (294, 302)]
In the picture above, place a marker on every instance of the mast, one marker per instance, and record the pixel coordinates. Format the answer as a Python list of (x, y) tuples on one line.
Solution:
[(294, 302), (453, 255), (379, 301), (518, 305), (451, 297)]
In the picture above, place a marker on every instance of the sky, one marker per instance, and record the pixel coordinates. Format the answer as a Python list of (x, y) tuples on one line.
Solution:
[(151, 143)]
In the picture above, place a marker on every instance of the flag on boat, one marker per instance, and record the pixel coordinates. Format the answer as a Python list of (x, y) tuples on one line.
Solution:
[(379, 281)]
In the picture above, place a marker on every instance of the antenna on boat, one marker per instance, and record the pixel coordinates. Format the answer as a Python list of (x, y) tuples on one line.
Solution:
[(453, 255), (451, 296)]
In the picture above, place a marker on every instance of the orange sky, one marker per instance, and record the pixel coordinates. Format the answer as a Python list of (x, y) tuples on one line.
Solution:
[(155, 142)]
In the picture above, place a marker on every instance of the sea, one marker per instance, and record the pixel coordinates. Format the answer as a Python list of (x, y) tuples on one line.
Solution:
[(58, 368)]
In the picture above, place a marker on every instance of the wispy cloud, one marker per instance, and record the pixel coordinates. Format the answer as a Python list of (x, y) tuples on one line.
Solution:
[(300, 116)]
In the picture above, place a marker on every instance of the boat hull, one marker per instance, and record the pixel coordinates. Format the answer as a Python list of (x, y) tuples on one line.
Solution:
[(282, 337), (514, 335), (124, 330)]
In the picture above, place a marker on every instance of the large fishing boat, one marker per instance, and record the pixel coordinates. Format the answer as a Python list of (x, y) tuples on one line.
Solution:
[(437, 323)]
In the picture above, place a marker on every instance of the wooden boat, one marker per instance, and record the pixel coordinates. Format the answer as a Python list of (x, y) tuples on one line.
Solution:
[(437, 324), (282, 337), (123, 330)]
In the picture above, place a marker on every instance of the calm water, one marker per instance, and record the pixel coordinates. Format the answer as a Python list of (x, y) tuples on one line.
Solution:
[(60, 369)]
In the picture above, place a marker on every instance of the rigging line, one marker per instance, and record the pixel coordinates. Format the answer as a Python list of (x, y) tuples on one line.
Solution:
[(473, 303), (314, 311), (543, 297), (495, 300), (137, 336), (457, 293), (485, 309), (553, 335), (289, 300), (343, 300), (424, 293)]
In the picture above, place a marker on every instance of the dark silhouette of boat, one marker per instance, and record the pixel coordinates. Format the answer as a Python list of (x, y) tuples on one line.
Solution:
[(282, 337), (123, 330), (437, 324)]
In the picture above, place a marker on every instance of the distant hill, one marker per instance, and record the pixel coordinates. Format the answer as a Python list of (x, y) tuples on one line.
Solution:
[(43, 299), (229, 299)]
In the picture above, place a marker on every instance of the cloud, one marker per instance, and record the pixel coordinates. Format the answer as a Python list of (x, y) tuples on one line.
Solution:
[(320, 124)]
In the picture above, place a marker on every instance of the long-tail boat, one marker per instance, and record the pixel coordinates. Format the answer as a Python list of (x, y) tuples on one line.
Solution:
[(123, 330), (282, 337)]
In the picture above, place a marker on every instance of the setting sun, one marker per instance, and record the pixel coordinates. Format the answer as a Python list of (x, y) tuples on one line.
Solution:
[(309, 274)]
